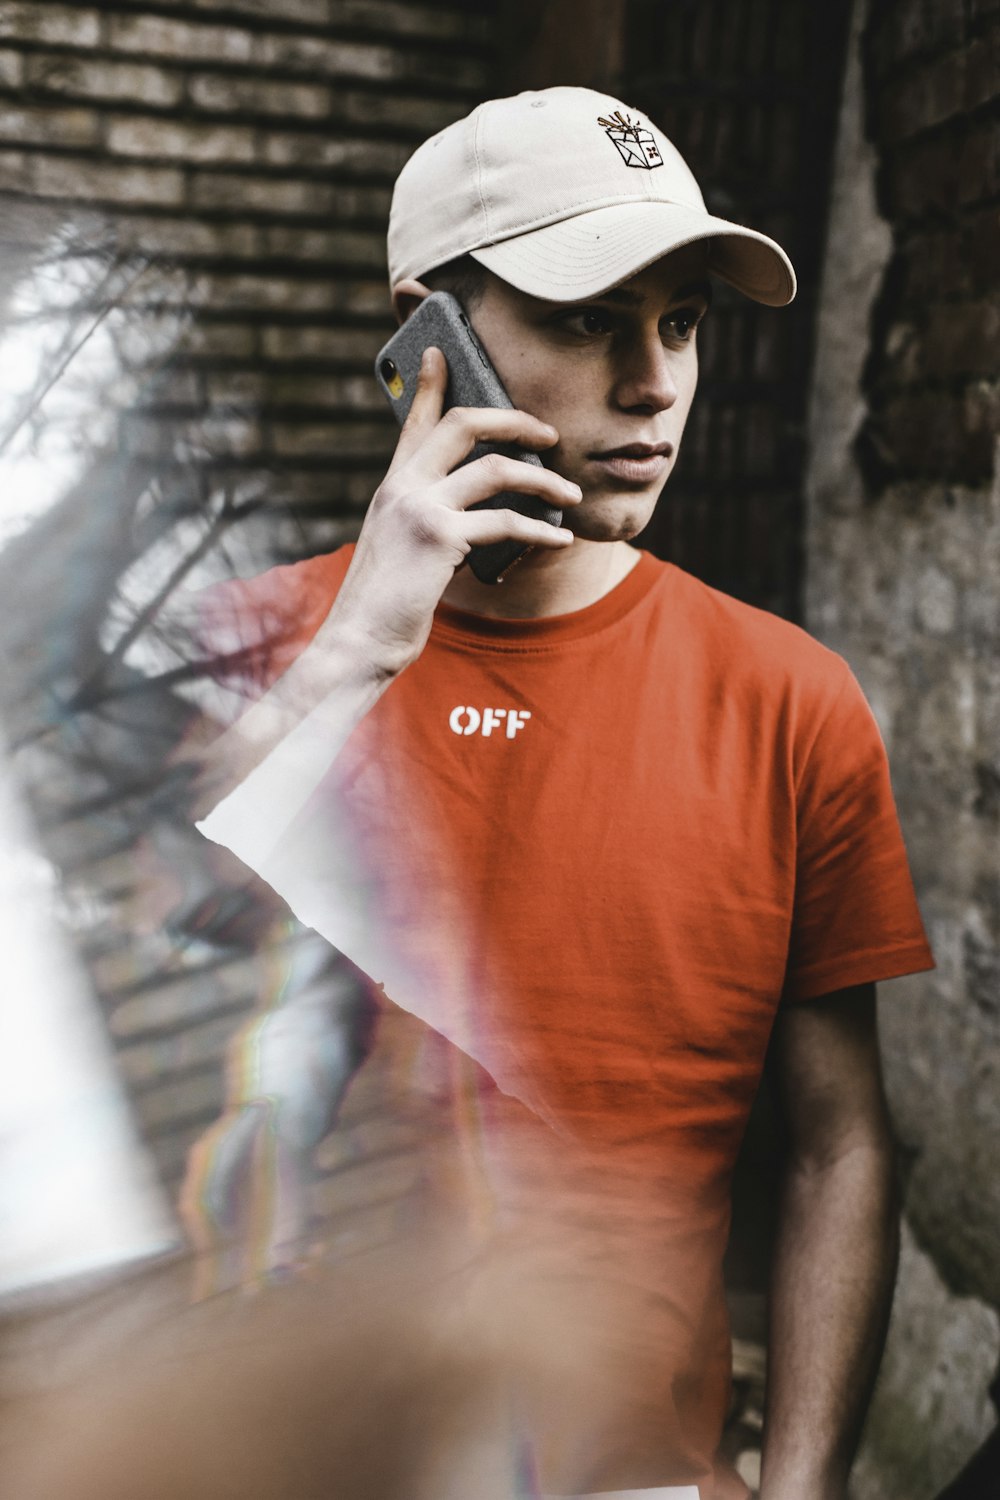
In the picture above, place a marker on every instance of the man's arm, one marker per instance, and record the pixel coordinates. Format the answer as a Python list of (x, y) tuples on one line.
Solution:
[(835, 1257), (418, 530)]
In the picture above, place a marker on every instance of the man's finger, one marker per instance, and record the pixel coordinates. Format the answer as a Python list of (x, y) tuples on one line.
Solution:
[(495, 473), (483, 527), (428, 404), (453, 438)]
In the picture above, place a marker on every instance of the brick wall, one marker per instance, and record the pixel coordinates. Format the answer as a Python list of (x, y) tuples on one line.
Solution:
[(250, 148), (253, 146), (749, 90), (247, 150), (259, 154), (932, 386)]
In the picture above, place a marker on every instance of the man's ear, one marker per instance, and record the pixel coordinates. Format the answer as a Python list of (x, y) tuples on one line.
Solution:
[(406, 296)]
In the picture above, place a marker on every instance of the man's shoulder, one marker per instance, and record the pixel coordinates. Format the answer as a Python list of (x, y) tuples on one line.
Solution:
[(317, 577), (253, 627), (291, 590), (753, 643)]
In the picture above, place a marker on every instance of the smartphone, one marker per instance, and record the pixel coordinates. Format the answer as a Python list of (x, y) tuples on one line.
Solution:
[(441, 320)]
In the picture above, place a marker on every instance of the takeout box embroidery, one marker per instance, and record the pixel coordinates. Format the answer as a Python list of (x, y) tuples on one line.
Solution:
[(634, 143)]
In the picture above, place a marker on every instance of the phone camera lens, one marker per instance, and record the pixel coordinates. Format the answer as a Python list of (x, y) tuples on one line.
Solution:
[(388, 371)]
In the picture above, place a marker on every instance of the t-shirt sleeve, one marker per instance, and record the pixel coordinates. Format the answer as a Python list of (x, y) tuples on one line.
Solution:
[(855, 917), (248, 631)]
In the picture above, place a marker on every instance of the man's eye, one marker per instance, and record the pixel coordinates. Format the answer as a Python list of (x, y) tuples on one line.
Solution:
[(684, 322), (588, 320)]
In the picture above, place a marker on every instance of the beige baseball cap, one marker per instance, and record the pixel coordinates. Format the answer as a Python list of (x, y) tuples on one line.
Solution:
[(564, 193)]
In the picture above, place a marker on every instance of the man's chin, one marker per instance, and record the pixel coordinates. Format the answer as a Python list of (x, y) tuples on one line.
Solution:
[(614, 518)]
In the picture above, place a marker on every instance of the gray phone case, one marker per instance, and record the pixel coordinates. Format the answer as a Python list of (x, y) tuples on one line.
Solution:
[(472, 381)]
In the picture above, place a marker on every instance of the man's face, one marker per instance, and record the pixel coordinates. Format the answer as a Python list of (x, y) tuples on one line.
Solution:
[(607, 372)]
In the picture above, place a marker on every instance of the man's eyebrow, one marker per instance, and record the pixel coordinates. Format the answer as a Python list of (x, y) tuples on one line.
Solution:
[(635, 299)]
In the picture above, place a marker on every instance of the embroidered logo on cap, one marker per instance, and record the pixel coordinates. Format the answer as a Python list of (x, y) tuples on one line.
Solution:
[(635, 144)]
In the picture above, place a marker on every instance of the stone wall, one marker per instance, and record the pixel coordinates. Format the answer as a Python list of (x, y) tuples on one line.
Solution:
[(903, 550)]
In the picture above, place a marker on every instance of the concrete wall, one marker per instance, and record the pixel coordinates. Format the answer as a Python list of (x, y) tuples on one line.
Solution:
[(903, 561)]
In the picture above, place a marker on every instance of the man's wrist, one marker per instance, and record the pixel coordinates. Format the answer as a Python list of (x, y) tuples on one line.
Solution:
[(308, 712), (362, 651)]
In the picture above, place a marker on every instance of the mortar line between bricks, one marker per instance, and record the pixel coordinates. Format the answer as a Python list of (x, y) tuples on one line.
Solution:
[(70, 52), (418, 88), (264, 171), (250, 218), (255, 24), (203, 118), (235, 18)]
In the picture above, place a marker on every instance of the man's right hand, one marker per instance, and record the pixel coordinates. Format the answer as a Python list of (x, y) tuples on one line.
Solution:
[(418, 532), (419, 528)]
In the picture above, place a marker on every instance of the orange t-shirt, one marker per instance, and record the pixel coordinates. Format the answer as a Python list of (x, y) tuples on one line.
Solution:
[(597, 851)]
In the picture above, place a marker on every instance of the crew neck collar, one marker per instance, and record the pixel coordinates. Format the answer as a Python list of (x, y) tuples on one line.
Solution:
[(487, 632)]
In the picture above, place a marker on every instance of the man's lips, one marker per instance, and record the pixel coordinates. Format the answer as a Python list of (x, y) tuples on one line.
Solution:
[(635, 450), (635, 463)]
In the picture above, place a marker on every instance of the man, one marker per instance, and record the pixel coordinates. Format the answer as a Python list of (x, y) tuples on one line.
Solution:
[(608, 831)]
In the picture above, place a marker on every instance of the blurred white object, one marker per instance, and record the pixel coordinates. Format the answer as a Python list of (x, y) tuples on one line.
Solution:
[(77, 1193)]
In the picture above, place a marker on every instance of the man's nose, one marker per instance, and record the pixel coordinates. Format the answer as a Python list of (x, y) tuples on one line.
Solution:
[(646, 378)]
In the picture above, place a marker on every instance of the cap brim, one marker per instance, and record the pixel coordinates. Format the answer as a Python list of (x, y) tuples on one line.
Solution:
[(595, 251)]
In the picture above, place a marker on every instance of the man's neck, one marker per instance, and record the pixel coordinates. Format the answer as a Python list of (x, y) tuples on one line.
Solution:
[(546, 583)]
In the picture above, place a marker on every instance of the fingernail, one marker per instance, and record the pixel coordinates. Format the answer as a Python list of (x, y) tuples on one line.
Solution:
[(574, 489)]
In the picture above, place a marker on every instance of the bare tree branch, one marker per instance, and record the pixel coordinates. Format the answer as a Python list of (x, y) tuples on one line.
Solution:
[(66, 353), (89, 693)]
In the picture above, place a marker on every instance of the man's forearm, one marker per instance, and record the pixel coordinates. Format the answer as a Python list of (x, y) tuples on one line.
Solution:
[(421, 524), (834, 1270), (280, 749)]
